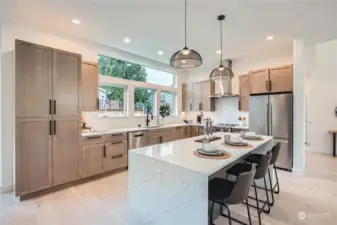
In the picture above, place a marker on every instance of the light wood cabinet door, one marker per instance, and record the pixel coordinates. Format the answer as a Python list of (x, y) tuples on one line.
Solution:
[(66, 83), (115, 156), (154, 140), (92, 160), (207, 89), (33, 83), (244, 93), (167, 138), (196, 96), (281, 79), (66, 150), (89, 87), (189, 103), (259, 81), (33, 155)]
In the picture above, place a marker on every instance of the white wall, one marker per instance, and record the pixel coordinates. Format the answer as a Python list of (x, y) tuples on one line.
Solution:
[(323, 97), (88, 50), (227, 108)]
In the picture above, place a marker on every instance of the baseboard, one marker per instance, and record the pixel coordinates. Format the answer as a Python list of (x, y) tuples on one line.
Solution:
[(6, 189), (298, 171)]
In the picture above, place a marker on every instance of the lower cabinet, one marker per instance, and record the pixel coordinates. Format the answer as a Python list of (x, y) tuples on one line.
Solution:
[(154, 140), (115, 156), (66, 151), (33, 156), (92, 160), (196, 131), (103, 153)]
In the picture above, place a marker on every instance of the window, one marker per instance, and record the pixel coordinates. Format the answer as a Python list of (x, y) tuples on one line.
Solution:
[(112, 99), (144, 100), (122, 69), (169, 98)]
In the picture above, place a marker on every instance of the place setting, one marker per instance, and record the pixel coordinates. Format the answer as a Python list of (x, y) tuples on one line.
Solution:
[(238, 142), (210, 151)]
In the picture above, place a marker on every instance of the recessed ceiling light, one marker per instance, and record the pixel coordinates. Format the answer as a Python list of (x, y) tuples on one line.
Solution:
[(160, 52), (270, 38), (218, 52), (75, 21), (127, 40)]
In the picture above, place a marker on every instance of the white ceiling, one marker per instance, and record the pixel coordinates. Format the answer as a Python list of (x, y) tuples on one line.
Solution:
[(159, 24)]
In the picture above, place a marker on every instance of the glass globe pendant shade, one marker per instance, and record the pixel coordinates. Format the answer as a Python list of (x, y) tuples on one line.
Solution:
[(186, 58)]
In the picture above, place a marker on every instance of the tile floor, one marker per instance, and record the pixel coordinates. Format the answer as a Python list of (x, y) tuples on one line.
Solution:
[(103, 201)]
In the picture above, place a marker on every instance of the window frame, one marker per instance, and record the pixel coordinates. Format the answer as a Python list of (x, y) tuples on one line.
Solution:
[(175, 101), (155, 104)]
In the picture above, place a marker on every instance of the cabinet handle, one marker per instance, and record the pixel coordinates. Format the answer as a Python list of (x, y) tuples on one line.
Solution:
[(267, 85), (117, 156), (190, 106), (116, 143), (50, 128), (201, 106), (116, 135), (94, 137), (54, 107), (239, 105), (270, 86), (104, 151), (54, 127), (50, 107), (97, 104)]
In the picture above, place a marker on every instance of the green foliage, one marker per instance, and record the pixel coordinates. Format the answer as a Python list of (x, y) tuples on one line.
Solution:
[(122, 69), (165, 110)]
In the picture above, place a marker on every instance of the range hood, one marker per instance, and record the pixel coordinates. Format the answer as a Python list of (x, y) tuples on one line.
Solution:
[(224, 88)]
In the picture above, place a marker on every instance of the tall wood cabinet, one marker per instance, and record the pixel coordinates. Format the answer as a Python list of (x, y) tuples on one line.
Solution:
[(244, 93), (196, 96), (89, 83), (47, 117)]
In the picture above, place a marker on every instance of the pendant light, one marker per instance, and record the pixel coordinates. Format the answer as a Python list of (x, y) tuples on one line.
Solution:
[(186, 58), (221, 73)]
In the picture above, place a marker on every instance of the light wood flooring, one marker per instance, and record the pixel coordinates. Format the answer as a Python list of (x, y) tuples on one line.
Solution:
[(102, 202)]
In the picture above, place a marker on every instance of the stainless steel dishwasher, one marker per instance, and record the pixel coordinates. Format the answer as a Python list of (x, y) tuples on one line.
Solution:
[(137, 139)]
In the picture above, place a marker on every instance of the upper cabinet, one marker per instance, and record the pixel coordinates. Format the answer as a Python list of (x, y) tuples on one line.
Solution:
[(66, 83), (271, 80), (89, 87), (259, 81), (244, 93), (33, 71), (281, 79), (196, 96)]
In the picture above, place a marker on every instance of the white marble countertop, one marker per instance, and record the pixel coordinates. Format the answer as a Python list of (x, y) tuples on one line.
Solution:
[(133, 129), (180, 153)]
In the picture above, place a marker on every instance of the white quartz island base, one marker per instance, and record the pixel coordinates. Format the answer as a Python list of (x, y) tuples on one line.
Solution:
[(168, 185)]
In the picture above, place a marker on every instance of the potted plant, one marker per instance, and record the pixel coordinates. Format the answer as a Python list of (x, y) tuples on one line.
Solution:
[(164, 110)]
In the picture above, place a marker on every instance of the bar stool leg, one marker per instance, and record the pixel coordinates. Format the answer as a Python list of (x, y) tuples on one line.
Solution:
[(277, 182), (229, 214), (267, 195), (257, 203), (271, 189), (248, 211)]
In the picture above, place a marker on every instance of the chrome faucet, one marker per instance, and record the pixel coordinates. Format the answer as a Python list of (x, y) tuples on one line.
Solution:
[(147, 121)]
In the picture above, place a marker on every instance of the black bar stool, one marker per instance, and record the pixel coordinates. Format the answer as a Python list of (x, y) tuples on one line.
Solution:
[(261, 172), (225, 193), (256, 158)]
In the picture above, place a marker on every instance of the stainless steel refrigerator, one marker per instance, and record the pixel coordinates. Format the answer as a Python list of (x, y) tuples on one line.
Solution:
[(273, 115)]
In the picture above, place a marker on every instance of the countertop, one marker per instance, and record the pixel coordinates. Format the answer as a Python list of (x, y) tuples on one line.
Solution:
[(133, 129), (180, 153)]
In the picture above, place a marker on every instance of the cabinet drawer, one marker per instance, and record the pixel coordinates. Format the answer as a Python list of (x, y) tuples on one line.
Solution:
[(93, 140), (115, 138), (115, 149), (113, 162)]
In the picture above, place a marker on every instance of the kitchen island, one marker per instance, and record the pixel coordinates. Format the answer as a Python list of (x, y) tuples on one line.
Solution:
[(168, 184)]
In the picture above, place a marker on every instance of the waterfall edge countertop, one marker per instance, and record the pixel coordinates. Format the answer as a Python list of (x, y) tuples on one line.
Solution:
[(133, 129), (168, 184)]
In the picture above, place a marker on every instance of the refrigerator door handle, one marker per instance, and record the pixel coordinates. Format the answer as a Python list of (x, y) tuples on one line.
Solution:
[(271, 120), (267, 125)]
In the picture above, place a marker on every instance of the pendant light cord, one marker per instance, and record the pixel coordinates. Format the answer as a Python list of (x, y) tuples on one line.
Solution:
[(185, 23), (221, 42)]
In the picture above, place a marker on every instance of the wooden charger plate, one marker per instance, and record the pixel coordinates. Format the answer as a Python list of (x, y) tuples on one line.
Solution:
[(224, 156)]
